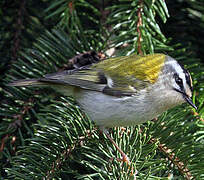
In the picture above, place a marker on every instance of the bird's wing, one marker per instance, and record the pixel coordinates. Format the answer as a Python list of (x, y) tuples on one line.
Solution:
[(122, 76), (84, 78)]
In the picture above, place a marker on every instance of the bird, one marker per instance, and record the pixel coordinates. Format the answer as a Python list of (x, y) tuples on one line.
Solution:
[(123, 91)]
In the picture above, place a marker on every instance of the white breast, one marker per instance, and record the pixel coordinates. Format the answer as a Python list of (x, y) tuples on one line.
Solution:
[(109, 111)]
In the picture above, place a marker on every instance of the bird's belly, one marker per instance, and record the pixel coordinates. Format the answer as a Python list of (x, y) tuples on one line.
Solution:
[(109, 111)]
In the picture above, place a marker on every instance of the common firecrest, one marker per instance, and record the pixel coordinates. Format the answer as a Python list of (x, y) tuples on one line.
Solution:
[(123, 91)]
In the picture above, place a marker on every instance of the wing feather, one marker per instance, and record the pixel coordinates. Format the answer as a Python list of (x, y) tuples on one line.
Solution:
[(84, 78), (122, 76)]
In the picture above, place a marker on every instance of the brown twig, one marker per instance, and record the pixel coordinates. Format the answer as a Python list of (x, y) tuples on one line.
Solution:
[(71, 6), (3, 140), (175, 160), (139, 24), (19, 117), (16, 124), (57, 164), (19, 26), (65, 154)]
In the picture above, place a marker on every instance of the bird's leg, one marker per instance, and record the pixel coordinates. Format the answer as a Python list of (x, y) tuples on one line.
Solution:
[(124, 156)]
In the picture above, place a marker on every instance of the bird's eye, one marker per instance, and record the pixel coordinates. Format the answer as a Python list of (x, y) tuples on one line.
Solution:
[(178, 80)]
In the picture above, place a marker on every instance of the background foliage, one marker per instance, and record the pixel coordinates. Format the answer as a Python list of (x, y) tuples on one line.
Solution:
[(46, 135)]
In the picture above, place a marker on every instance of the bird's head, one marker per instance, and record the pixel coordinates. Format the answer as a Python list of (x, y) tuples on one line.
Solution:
[(178, 79)]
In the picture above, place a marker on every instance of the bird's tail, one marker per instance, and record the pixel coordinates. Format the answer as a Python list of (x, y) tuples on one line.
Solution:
[(27, 82)]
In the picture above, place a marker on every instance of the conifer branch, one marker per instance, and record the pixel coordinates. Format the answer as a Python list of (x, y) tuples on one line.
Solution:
[(19, 117), (16, 123), (58, 163), (174, 159), (57, 143), (66, 153)]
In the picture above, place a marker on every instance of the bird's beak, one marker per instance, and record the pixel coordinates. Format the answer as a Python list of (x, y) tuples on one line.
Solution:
[(187, 98), (189, 101)]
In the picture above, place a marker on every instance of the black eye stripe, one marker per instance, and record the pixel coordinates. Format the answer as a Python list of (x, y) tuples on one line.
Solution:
[(178, 80), (188, 77)]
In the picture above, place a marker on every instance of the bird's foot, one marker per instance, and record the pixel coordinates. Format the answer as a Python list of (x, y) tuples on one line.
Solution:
[(125, 158)]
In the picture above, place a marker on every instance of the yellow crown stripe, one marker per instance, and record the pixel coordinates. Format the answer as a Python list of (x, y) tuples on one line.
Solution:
[(150, 68), (145, 68)]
